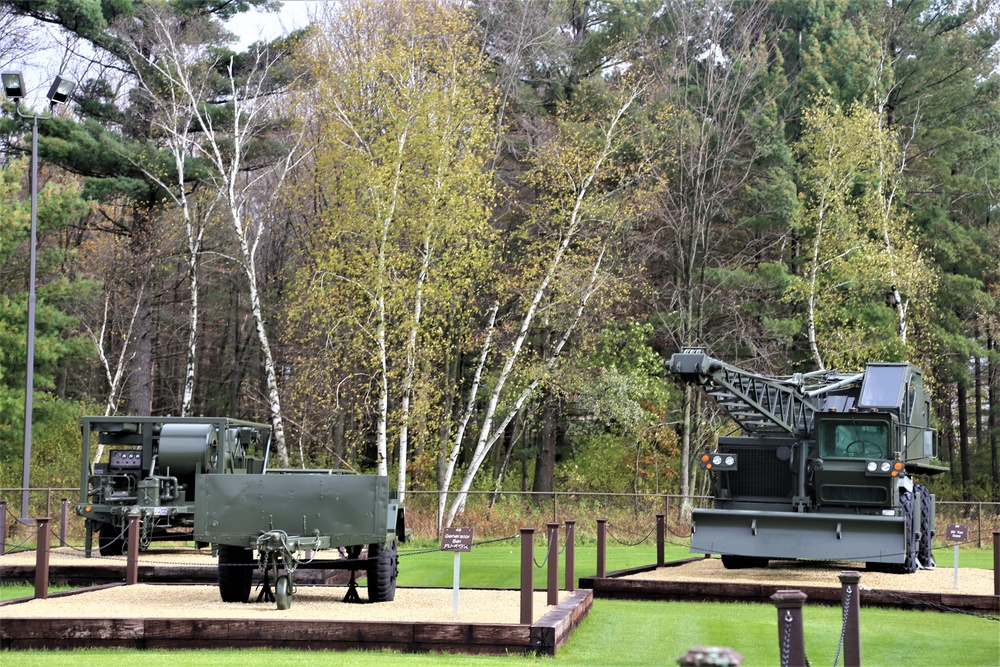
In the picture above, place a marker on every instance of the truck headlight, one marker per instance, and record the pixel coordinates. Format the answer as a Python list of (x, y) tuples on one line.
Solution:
[(717, 460), (872, 466), (886, 466)]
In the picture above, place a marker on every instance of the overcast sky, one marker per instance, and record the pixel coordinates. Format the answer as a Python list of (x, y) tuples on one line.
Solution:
[(294, 14)]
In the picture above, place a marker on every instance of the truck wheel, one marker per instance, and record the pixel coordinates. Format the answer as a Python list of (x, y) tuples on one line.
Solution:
[(731, 562), (906, 501), (382, 570), (925, 554), (111, 540), (235, 573)]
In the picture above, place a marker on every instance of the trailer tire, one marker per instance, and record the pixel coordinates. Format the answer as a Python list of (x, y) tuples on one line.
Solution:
[(382, 571), (235, 573), (111, 540)]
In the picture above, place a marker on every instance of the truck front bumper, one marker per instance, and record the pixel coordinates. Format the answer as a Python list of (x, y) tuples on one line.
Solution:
[(794, 535)]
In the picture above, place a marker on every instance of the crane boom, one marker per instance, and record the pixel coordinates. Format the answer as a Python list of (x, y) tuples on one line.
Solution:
[(759, 404)]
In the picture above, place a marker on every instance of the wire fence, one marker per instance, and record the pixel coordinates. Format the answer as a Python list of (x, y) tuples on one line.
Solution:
[(494, 515)]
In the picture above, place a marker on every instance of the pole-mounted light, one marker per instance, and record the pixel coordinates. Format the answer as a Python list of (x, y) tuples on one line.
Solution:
[(13, 88)]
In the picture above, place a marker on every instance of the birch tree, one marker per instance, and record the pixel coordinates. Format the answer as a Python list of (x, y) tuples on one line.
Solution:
[(582, 172), (862, 261), (238, 136), (173, 64), (403, 122)]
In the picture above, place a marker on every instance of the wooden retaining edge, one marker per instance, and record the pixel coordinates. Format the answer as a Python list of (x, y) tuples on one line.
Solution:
[(85, 575), (615, 587), (543, 637)]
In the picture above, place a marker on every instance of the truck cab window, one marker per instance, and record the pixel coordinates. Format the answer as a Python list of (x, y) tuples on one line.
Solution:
[(853, 439)]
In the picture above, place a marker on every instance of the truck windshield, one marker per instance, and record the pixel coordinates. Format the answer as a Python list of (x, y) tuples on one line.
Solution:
[(853, 439)]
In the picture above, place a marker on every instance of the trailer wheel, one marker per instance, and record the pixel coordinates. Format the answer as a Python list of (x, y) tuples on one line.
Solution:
[(235, 573), (283, 592), (382, 571), (111, 540)]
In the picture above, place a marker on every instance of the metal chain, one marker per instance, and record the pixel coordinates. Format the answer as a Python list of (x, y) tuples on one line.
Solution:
[(843, 627), (786, 643), (933, 605), (548, 552), (628, 544)]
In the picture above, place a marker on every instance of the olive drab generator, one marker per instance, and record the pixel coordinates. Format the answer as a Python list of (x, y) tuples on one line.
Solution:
[(823, 468), (208, 479)]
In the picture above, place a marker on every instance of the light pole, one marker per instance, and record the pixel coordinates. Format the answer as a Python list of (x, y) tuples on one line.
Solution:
[(13, 88)]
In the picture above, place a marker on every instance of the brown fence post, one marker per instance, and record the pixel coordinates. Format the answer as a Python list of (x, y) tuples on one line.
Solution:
[(63, 518), (132, 565), (601, 548), (570, 555), (3, 526), (791, 643), (660, 535), (527, 574), (553, 570), (996, 562), (42, 559), (851, 596)]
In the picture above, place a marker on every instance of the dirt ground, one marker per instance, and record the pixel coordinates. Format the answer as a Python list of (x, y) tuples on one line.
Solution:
[(417, 604), (971, 581), (308, 602)]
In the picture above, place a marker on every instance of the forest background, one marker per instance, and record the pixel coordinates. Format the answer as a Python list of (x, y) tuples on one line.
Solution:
[(455, 241)]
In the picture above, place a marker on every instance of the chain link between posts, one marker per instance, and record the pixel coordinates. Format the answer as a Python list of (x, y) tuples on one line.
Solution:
[(843, 628)]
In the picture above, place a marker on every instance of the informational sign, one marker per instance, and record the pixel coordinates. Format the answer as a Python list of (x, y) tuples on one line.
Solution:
[(456, 539), (957, 532)]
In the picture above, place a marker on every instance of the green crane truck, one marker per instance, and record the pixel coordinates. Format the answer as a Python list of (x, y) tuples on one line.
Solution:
[(823, 468)]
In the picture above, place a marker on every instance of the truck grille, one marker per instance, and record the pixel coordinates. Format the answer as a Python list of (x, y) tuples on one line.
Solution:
[(761, 473)]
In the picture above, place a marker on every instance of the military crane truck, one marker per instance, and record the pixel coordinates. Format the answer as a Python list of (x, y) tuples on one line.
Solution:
[(148, 466), (823, 467)]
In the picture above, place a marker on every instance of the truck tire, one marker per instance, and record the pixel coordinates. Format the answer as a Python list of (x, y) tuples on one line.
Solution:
[(906, 504), (111, 540), (731, 562), (235, 573), (925, 554), (382, 571)]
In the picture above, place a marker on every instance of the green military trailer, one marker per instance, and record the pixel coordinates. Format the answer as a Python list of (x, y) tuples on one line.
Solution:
[(287, 516), (208, 479), (824, 466), (147, 466)]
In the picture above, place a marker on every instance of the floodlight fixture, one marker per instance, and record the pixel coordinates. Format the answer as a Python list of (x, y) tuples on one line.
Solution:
[(61, 90), (13, 88), (13, 85)]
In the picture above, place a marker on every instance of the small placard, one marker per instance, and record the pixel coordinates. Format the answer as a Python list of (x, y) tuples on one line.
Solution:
[(957, 532), (456, 539)]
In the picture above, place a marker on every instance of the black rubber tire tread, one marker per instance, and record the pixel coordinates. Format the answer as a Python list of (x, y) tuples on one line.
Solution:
[(111, 540), (732, 562), (909, 565), (925, 553), (382, 570), (235, 573), (283, 592)]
